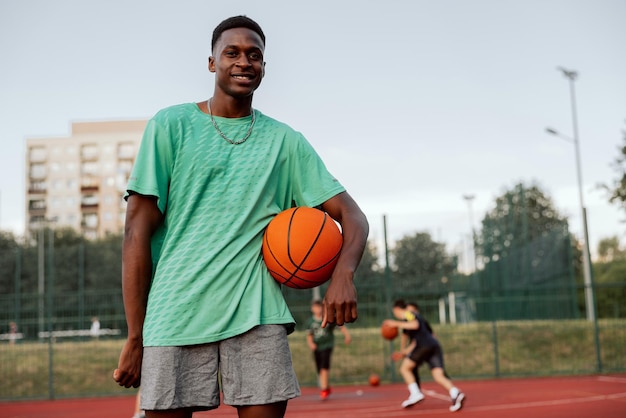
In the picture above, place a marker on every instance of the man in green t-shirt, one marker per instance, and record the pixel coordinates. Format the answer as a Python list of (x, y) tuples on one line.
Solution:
[(321, 341), (199, 301)]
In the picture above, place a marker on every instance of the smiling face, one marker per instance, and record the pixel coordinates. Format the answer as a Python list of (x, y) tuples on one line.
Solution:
[(237, 62)]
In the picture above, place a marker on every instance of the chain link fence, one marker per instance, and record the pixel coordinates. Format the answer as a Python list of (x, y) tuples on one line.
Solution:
[(62, 324)]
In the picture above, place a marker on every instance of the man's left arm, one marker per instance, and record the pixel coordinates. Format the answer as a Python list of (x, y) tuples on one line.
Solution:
[(340, 301)]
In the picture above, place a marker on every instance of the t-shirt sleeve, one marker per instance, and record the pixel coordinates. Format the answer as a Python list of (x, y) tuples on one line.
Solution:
[(152, 169), (314, 184)]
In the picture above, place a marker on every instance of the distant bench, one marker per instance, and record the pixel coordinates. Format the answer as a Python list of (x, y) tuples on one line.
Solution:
[(17, 336), (79, 333)]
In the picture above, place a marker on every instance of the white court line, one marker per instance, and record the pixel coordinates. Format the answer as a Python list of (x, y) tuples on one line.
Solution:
[(396, 411), (612, 379), (391, 411), (549, 403), (520, 405), (434, 394)]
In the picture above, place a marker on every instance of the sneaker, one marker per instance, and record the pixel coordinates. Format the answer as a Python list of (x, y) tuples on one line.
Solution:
[(457, 403), (413, 399), (324, 394)]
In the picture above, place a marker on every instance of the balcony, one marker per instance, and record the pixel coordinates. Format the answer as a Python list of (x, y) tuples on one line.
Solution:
[(89, 184), (37, 171), (37, 155), (89, 222), (37, 207), (89, 153), (89, 201), (37, 187)]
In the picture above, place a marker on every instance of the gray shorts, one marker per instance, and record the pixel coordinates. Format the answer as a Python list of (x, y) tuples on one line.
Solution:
[(253, 368)]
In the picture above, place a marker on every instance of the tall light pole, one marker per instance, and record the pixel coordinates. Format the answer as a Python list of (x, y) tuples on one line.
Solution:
[(589, 296), (469, 198)]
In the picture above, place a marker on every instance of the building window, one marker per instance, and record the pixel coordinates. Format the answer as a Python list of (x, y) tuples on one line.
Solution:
[(38, 204), (108, 167), (89, 169), (124, 167), (90, 235), (37, 154), (89, 200), (90, 220), (37, 187), (37, 171), (89, 152), (36, 221), (126, 151)]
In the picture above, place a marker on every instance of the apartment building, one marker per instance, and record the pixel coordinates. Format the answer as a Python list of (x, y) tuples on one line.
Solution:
[(79, 181)]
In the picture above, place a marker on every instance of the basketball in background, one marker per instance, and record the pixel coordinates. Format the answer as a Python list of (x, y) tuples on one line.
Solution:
[(301, 246), (374, 379), (388, 333)]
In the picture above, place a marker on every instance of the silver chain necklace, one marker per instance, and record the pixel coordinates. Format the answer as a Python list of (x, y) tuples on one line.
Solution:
[(219, 131)]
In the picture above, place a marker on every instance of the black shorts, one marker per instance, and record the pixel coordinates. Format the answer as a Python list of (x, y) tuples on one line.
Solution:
[(322, 358), (433, 355)]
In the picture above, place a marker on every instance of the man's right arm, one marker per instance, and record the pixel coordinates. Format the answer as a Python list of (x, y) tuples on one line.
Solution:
[(143, 217)]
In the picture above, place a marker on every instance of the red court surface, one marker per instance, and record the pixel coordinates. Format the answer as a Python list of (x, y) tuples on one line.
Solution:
[(571, 397)]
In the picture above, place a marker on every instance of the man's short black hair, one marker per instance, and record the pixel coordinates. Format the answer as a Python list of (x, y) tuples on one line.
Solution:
[(413, 304), (236, 22), (399, 303)]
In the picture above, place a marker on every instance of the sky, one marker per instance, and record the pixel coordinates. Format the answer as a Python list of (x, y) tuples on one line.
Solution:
[(412, 104)]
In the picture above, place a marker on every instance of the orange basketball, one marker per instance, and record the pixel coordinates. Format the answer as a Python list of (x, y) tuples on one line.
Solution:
[(301, 246), (388, 333), (374, 379)]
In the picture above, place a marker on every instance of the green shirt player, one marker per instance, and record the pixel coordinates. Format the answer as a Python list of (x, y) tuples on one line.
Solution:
[(199, 301), (321, 341)]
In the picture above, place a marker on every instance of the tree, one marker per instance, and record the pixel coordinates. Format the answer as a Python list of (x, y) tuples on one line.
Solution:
[(609, 249), (610, 288), (421, 263), (617, 190), (8, 253), (527, 253), (521, 215), (369, 262)]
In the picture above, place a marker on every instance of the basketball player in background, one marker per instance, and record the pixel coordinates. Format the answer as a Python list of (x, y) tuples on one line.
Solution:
[(208, 178), (424, 347), (321, 341)]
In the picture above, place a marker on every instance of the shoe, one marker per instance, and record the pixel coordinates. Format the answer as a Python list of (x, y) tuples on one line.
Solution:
[(413, 399), (324, 394), (457, 403)]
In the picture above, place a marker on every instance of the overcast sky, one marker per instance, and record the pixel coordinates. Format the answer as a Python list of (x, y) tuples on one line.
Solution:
[(412, 104)]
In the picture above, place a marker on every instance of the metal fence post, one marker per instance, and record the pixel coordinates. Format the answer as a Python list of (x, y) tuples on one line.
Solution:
[(496, 355)]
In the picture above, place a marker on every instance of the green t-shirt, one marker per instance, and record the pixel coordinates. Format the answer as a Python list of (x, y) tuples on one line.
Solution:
[(210, 282), (322, 337)]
